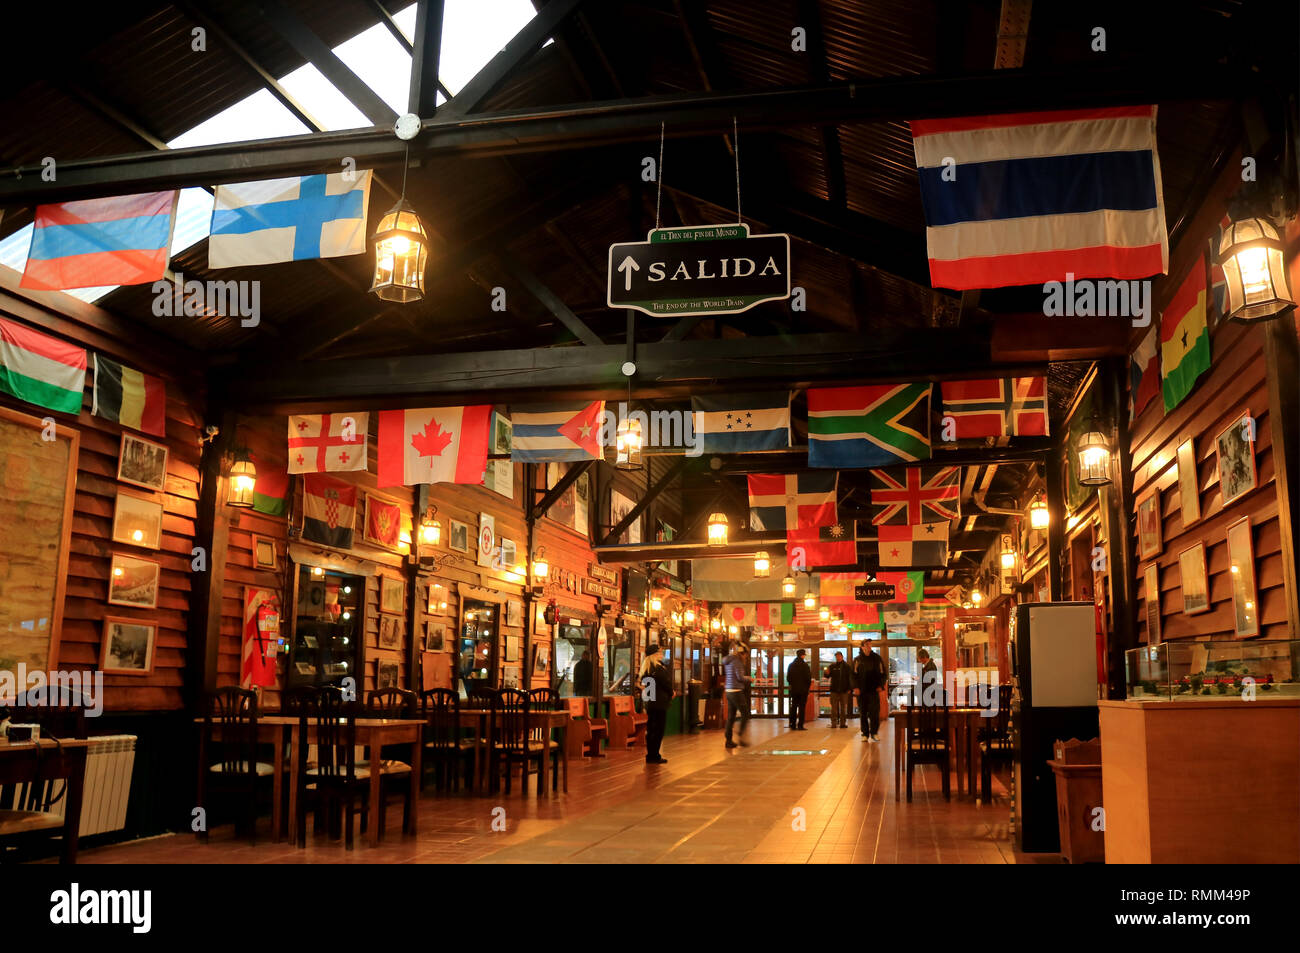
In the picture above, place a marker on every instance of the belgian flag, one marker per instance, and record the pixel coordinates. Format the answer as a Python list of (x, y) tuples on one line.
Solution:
[(129, 397)]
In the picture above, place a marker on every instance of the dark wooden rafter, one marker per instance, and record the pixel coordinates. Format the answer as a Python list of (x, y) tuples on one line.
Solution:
[(425, 57), (709, 64), (832, 155), (549, 300), (651, 493), (551, 496)]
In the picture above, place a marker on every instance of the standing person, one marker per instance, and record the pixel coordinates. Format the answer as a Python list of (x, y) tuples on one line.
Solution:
[(798, 678), (930, 684), (582, 674), (656, 693), (736, 685), (869, 675), (841, 691)]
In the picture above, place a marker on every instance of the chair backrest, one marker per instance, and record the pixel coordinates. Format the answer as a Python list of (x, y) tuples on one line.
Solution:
[(622, 704), (234, 711), (391, 703), (63, 715), (480, 698), (440, 709), (336, 733), (927, 725), (544, 699), (998, 727), (578, 706), (510, 717)]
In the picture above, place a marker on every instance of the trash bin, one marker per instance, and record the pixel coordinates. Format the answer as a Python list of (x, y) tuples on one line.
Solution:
[(1082, 824)]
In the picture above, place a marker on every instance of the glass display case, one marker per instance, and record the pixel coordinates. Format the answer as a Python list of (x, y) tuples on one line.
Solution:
[(1224, 669), (327, 645)]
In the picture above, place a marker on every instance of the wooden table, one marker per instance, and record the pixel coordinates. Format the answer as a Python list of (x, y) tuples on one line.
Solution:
[(963, 728), (268, 733), (480, 721), (65, 759)]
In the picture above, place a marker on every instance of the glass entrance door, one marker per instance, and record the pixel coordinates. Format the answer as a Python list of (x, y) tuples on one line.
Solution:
[(767, 692)]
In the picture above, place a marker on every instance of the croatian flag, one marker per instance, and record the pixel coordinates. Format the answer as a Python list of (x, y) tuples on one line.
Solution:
[(1027, 198), (293, 219), (123, 240)]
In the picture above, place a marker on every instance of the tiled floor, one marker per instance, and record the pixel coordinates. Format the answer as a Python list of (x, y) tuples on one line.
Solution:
[(707, 805)]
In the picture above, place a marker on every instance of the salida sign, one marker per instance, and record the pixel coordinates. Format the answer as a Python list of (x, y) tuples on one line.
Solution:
[(874, 592), (706, 269)]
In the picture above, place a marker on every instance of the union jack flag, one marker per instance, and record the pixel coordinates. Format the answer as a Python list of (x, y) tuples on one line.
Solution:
[(1014, 407), (906, 495)]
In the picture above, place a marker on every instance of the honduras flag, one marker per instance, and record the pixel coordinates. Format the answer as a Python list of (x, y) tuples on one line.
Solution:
[(739, 423), (302, 217)]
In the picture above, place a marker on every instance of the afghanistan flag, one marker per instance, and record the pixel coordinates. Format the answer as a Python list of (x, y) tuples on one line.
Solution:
[(869, 426), (1008, 407), (1184, 339), (128, 397), (915, 495), (40, 369), (920, 544), (832, 545), (329, 509)]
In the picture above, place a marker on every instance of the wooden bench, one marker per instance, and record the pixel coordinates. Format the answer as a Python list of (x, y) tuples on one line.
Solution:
[(585, 730), (624, 729)]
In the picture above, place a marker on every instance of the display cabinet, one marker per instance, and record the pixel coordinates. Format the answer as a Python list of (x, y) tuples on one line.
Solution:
[(327, 644), (1228, 669)]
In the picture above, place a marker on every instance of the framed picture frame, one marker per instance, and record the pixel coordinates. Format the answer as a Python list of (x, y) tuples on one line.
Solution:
[(390, 630), (1194, 581), (264, 556), (1152, 605), (137, 521), (128, 646), (435, 636), (1235, 453), (142, 462), (133, 581), (541, 659), (1189, 482), (514, 614), (392, 594), (1148, 520), (436, 603), (486, 541), (506, 553), (458, 536), (619, 507), (382, 526), (1241, 569), (386, 674)]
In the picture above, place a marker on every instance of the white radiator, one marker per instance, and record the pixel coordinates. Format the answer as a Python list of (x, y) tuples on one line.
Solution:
[(109, 760)]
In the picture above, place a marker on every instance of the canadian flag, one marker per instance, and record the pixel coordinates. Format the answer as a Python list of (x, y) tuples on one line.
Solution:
[(433, 445)]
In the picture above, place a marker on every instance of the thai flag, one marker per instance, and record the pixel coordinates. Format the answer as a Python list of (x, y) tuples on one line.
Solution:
[(1027, 198), (123, 240)]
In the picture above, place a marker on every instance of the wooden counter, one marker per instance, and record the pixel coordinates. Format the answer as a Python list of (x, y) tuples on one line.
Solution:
[(1201, 781)]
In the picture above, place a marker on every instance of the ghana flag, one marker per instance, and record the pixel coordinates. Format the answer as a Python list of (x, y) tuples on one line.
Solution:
[(1184, 339), (40, 369), (129, 397)]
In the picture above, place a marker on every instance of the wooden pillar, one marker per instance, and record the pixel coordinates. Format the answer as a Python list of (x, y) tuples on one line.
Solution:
[(1054, 479), (212, 531), (1282, 368), (414, 646), (1121, 567), (530, 607)]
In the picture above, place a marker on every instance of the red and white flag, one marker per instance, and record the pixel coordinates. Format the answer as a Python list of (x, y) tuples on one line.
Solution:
[(320, 443), (742, 614), (433, 445)]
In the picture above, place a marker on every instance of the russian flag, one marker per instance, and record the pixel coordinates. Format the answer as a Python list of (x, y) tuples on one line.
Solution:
[(1025, 198), (123, 240)]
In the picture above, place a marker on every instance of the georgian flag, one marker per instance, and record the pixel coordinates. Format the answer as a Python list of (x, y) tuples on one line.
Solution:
[(328, 442)]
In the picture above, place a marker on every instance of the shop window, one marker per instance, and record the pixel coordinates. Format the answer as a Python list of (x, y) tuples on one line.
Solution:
[(327, 637), (478, 644), (574, 666), (618, 663)]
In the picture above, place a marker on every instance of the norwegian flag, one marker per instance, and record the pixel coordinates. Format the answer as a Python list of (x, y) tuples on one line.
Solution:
[(327, 442), (1009, 407), (907, 495), (792, 500)]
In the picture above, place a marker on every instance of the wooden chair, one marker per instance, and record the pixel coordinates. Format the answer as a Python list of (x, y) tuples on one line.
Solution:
[(340, 781), (64, 716), (547, 699), (584, 730), (394, 703), (640, 718), (236, 769), (445, 744), (995, 742), (512, 742), (46, 774), (622, 724), (927, 741)]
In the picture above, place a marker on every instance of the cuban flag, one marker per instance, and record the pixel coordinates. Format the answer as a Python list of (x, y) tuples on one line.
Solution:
[(561, 431), (786, 501), (293, 219), (1028, 198), (123, 240)]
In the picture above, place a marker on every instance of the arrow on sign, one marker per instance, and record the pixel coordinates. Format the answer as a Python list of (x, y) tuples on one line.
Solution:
[(627, 268)]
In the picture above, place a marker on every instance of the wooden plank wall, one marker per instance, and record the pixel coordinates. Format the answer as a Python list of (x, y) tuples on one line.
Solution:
[(1234, 385)]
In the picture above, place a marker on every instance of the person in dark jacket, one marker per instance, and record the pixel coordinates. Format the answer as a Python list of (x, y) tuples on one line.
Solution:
[(582, 674), (798, 678), (841, 677), (931, 693), (869, 674), (656, 693)]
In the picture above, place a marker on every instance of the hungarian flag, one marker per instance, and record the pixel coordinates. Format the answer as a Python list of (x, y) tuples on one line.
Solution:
[(869, 426), (791, 500), (921, 544), (128, 397), (1008, 407), (915, 495), (383, 522), (329, 508), (564, 431), (742, 614), (772, 614), (271, 489), (434, 445), (40, 369), (1184, 339), (832, 545), (1144, 374), (908, 586), (324, 442)]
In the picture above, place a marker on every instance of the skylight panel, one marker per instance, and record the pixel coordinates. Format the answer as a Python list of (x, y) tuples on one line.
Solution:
[(260, 116), (381, 63), (322, 100)]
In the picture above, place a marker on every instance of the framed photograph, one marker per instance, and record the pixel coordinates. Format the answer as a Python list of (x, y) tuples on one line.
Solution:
[(133, 581), (515, 614), (390, 630), (137, 521), (1152, 577), (387, 677), (1235, 447), (1196, 588), (435, 636), (458, 536), (619, 507), (541, 659), (1189, 483), (437, 603), (128, 647), (1241, 568), (305, 668), (383, 524), (1148, 518), (506, 554), (142, 462), (264, 552), (392, 594), (487, 540)]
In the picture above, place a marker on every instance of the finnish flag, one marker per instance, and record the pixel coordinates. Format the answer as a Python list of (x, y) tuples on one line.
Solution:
[(301, 217)]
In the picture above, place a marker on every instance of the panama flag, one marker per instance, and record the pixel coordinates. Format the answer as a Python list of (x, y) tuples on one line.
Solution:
[(563, 431), (328, 442), (920, 544), (123, 240), (1035, 196), (433, 445), (791, 500), (293, 219)]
